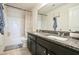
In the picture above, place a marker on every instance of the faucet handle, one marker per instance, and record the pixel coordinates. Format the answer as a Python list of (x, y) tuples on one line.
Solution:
[(62, 34)]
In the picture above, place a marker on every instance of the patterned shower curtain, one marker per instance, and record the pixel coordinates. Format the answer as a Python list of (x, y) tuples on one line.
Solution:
[(1, 20), (55, 23)]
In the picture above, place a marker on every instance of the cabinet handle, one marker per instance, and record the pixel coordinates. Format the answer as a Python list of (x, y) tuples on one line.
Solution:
[(44, 51)]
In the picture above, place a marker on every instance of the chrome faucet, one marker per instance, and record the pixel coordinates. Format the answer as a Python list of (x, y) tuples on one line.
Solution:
[(59, 34), (62, 34)]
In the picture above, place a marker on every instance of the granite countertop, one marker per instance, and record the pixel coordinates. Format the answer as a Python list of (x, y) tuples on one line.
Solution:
[(70, 43)]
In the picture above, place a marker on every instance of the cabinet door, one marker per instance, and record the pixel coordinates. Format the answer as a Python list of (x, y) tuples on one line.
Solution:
[(28, 43), (40, 50), (31, 44), (56, 48), (51, 53), (33, 47)]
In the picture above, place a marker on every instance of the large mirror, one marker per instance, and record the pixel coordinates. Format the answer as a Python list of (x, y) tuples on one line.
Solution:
[(59, 17)]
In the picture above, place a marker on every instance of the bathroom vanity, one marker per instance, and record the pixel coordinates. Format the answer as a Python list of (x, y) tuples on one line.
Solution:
[(43, 44)]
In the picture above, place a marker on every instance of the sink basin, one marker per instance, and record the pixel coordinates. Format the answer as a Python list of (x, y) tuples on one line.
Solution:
[(46, 34), (58, 38)]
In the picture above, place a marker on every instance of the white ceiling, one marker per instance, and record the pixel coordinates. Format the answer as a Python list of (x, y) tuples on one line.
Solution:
[(49, 7), (25, 6)]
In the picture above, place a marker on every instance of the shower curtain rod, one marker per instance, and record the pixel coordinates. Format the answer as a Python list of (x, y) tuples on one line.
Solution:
[(42, 14), (17, 8)]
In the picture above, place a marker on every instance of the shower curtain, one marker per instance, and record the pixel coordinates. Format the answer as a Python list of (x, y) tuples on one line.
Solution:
[(1, 20), (55, 23)]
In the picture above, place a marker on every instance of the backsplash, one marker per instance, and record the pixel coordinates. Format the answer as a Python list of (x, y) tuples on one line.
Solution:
[(55, 32)]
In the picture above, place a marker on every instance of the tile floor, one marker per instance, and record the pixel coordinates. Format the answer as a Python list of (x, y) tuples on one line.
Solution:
[(19, 51)]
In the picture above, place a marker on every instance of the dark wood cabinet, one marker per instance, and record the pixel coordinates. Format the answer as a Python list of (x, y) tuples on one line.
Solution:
[(54, 48), (31, 44), (40, 50), (61, 50), (28, 42), (50, 52), (32, 47), (40, 46)]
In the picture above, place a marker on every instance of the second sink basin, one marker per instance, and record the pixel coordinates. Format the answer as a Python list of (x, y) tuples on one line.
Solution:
[(58, 38)]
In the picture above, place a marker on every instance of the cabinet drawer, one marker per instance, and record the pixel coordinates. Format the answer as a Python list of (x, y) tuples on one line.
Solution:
[(31, 37), (33, 47), (42, 42), (58, 49)]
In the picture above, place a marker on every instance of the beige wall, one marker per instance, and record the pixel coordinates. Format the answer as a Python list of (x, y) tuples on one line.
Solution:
[(28, 22), (34, 19)]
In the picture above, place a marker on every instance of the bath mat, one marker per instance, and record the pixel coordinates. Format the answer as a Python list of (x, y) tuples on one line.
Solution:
[(11, 47)]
